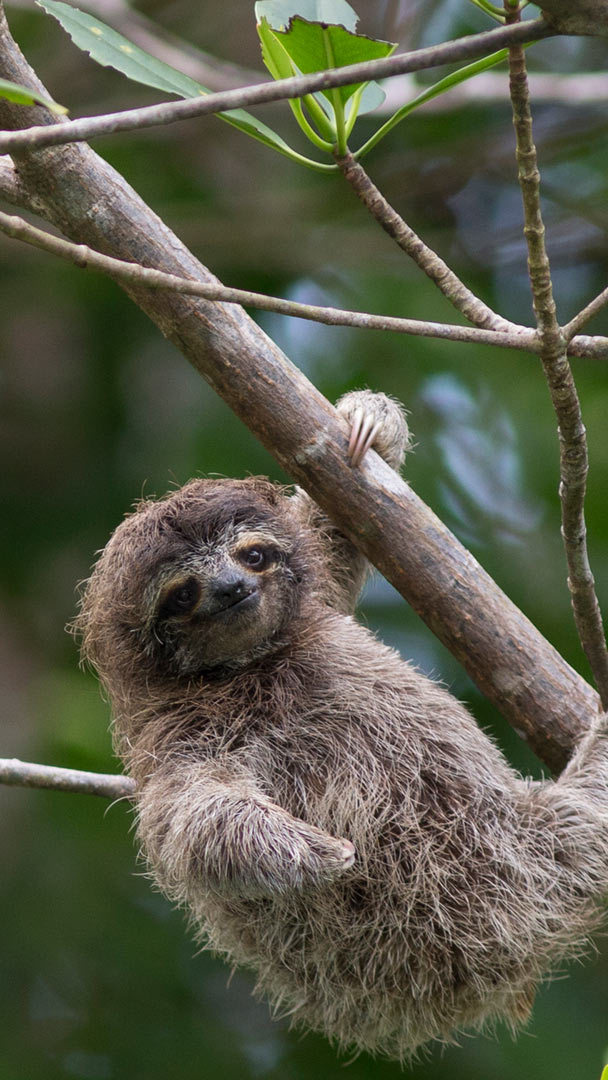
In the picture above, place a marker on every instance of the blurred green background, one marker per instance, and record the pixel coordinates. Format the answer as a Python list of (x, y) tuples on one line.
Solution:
[(99, 978)]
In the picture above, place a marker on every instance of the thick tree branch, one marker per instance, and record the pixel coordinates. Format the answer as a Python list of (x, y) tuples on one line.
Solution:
[(52, 134), (574, 463), (17, 773), (11, 188), (504, 653)]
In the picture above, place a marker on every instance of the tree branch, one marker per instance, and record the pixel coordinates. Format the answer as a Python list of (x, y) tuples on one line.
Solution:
[(11, 188), (587, 313), (522, 338), (68, 131), (17, 773), (570, 90), (577, 16), (574, 463), (433, 266), (514, 666)]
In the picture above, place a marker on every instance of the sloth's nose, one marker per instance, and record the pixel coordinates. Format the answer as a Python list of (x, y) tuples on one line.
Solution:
[(231, 587)]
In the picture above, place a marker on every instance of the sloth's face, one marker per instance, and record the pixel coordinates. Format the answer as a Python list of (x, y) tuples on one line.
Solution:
[(206, 578), (223, 603)]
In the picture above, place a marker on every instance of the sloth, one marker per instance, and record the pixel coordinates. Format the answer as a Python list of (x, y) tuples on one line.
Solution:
[(327, 815)]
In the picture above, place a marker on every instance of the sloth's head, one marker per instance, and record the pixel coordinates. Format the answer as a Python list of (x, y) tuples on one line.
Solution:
[(209, 577)]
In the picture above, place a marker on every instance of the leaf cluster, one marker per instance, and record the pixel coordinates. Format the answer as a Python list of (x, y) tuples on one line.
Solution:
[(298, 37)]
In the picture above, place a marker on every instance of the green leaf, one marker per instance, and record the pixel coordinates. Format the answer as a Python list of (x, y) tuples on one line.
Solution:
[(280, 66), (309, 44), (22, 95), (111, 49), (314, 36), (274, 53)]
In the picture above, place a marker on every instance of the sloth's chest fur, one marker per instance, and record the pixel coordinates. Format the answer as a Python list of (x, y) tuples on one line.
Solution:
[(455, 904)]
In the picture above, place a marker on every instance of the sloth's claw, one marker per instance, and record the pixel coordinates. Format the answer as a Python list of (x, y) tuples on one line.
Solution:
[(364, 430)]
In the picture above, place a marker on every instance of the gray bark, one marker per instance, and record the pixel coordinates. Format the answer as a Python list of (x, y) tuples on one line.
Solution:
[(588, 17)]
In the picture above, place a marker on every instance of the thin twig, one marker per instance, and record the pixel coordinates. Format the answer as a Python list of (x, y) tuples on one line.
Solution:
[(569, 90), (433, 266), (587, 313), (26, 774), (523, 338), (573, 441), (592, 347), (89, 127)]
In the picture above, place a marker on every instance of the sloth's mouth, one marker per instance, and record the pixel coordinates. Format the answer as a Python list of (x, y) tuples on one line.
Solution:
[(242, 603)]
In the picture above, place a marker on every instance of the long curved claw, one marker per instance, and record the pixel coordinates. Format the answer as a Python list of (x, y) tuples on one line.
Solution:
[(363, 432)]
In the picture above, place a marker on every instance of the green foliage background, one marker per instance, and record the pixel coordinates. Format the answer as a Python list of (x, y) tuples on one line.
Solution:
[(99, 977)]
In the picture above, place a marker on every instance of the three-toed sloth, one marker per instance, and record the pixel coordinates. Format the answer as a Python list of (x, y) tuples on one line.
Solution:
[(329, 816)]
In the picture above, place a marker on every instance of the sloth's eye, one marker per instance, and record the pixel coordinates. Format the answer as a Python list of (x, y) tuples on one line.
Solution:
[(182, 598), (256, 558)]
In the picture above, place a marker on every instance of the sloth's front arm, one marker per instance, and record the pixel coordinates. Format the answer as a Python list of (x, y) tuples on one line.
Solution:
[(204, 824)]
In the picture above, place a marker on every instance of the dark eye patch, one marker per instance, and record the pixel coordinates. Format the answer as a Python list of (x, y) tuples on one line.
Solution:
[(181, 598)]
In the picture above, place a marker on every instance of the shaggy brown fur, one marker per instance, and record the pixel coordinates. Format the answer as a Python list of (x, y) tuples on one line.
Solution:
[(328, 816)]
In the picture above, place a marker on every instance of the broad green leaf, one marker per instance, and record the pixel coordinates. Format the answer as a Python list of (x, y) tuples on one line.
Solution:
[(111, 49), (305, 36), (22, 95), (315, 46), (274, 53), (280, 66), (279, 12)]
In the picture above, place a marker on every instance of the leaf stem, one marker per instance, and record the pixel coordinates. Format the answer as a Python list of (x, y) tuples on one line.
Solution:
[(354, 104), (309, 131), (440, 87), (320, 119), (336, 98), (489, 9)]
